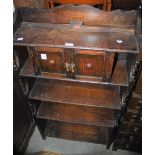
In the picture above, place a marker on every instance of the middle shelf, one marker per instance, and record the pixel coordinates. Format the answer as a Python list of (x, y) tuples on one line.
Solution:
[(76, 114), (119, 76), (76, 93)]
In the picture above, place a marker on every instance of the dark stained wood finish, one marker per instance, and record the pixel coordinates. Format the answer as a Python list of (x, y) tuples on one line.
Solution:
[(21, 55), (109, 61), (119, 76), (90, 2), (76, 114), (35, 58), (54, 60), (126, 4), (23, 123), (129, 136), (131, 127), (74, 93), (90, 63), (22, 120), (89, 15), (123, 136), (23, 3), (120, 73), (136, 102), (105, 3), (69, 60), (133, 116), (83, 46), (138, 88), (73, 63), (29, 3), (78, 132), (17, 19), (54, 37)]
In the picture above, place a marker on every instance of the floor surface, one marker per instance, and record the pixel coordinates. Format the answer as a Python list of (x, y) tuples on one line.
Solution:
[(68, 147)]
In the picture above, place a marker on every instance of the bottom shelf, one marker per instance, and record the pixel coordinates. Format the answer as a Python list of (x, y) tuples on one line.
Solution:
[(77, 132), (73, 131), (76, 114)]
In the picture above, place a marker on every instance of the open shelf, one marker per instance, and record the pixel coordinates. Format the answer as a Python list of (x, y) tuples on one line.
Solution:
[(76, 114), (74, 131), (74, 93), (119, 76)]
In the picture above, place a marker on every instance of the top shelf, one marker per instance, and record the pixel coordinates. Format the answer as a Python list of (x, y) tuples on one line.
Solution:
[(113, 31), (62, 36)]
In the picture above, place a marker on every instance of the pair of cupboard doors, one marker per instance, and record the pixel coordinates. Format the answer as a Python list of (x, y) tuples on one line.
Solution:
[(73, 62)]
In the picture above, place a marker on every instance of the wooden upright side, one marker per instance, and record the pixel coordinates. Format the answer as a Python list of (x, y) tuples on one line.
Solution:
[(109, 61)]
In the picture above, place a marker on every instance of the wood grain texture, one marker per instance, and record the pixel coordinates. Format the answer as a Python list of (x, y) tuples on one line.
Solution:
[(23, 3), (120, 73), (133, 116), (54, 60), (78, 1), (74, 93), (138, 88), (76, 62), (119, 76), (76, 114), (89, 15), (105, 4), (35, 35), (28, 3), (126, 4), (131, 127), (109, 62), (90, 63), (96, 44), (78, 132), (136, 102)]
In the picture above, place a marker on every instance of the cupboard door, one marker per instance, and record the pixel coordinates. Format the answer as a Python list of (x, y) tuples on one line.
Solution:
[(89, 63), (51, 59)]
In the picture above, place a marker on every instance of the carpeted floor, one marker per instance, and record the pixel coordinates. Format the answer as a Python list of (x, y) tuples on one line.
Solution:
[(68, 147)]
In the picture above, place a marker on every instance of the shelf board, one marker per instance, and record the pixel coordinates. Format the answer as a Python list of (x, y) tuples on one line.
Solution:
[(119, 76), (76, 114), (57, 35), (78, 132), (82, 137), (76, 93)]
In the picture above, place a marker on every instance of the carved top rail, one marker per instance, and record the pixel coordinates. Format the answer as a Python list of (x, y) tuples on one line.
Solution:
[(91, 16)]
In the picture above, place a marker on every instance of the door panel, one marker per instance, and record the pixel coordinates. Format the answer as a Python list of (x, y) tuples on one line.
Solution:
[(90, 63), (51, 60)]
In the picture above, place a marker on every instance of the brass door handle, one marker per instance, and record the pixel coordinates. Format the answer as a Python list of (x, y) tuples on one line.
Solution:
[(70, 67), (66, 65)]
